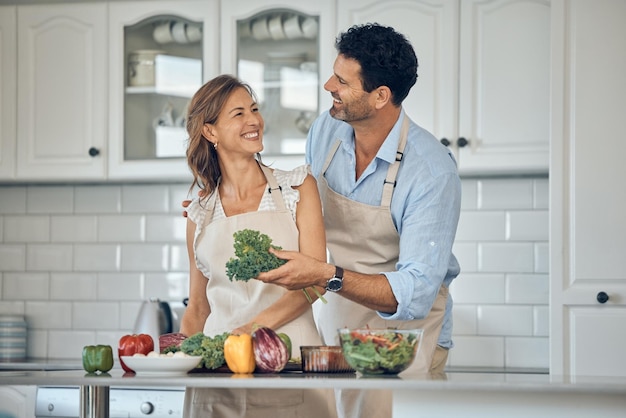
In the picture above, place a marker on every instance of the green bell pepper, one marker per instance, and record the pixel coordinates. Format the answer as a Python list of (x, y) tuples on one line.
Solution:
[(97, 358)]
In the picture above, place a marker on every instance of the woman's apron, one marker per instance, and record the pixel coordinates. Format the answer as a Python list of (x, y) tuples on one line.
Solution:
[(236, 303), (363, 238)]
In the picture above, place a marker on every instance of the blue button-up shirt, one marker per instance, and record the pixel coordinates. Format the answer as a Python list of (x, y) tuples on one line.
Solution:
[(425, 208)]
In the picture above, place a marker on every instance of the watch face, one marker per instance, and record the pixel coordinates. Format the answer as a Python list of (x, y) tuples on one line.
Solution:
[(334, 284)]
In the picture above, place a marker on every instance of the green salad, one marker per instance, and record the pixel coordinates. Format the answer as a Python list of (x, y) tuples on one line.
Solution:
[(378, 352)]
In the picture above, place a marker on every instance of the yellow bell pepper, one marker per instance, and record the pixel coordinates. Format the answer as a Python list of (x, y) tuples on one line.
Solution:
[(239, 354)]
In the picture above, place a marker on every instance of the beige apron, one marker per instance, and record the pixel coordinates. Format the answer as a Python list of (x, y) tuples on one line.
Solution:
[(363, 238), (235, 303)]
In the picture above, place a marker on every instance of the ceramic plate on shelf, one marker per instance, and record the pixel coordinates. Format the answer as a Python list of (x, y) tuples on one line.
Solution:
[(162, 366)]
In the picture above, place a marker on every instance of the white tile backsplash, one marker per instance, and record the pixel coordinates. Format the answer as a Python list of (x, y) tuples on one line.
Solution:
[(13, 257), (121, 228), (49, 257), (505, 257), (98, 199), (73, 286), (527, 288), (67, 228), (505, 320), (26, 229), (50, 199), (78, 260), (13, 199)]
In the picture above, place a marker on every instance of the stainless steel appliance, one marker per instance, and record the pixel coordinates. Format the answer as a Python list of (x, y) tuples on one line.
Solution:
[(127, 402)]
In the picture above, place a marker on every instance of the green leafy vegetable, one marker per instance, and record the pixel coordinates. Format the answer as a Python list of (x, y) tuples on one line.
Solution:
[(210, 348), (378, 353), (252, 250)]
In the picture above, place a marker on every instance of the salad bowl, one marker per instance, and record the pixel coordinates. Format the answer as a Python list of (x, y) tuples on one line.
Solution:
[(380, 351)]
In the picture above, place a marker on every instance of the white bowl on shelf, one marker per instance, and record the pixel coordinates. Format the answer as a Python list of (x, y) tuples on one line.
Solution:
[(179, 32), (260, 29), (292, 28)]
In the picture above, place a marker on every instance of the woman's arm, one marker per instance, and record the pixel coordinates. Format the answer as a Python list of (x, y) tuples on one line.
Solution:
[(312, 242), (198, 308)]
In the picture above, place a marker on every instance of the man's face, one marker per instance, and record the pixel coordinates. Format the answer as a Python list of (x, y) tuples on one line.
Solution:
[(350, 102)]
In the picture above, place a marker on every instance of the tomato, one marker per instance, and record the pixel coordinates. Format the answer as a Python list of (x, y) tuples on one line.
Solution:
[(133, 344)]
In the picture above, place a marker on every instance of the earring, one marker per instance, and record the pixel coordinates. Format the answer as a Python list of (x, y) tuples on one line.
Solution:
[(215, 145)]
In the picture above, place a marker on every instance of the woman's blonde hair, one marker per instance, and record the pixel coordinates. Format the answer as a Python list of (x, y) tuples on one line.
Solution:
[(205, 107)]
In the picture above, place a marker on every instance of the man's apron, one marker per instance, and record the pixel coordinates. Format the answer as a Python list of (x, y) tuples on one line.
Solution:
[(363, 238), (235, 303)]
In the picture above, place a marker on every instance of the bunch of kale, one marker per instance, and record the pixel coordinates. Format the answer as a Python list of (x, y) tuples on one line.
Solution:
[(252, 255)]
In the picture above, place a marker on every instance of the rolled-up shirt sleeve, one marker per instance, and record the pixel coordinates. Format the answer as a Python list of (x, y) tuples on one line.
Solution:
[(426, 222)]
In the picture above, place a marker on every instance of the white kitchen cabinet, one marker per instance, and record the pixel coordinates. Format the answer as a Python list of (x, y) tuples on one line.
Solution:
[(587, 228), (144, 144), (17, 401), (285, 51), (61, 91), (483, 83), (8, 91)]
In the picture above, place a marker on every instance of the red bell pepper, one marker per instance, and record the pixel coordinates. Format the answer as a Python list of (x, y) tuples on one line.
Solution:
[(133, 344)]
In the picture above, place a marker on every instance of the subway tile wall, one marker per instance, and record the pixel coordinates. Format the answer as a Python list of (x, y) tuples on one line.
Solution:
[(78, 260)]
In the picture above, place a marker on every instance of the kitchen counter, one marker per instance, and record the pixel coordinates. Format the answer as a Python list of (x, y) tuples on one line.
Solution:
[(457, 394)]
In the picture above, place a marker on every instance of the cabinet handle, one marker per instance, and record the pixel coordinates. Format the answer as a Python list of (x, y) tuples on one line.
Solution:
[(445, 141), (93, 151), (602, 297), (461, 142)]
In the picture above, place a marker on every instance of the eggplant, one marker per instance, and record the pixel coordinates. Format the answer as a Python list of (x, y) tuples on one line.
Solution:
[(270, 352)]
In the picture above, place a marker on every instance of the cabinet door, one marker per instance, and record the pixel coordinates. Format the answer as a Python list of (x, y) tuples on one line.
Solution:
[(483, 75), (61, 91), (432, 29), (504, 82), (588, 232), (17, 401), (8, 98), (287, 66), (134, 139)]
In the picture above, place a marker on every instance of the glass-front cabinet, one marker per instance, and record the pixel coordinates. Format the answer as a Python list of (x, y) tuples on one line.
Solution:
[(279, 49), (161, 53)]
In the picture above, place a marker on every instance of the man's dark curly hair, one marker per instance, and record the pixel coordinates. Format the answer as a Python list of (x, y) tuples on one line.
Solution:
[(386, 58)]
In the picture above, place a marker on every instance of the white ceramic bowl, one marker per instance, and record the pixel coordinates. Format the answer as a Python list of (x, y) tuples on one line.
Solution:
[(309, 28), (163, 33), (260, 29), (161, 366), (275, 26), (179, 32), (194, 33), (291, 27)]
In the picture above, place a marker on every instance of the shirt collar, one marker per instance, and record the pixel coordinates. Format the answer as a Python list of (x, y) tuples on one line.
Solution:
[(388, 149)]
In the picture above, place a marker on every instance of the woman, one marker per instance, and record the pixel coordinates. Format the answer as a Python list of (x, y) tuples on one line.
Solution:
[(225, 138)]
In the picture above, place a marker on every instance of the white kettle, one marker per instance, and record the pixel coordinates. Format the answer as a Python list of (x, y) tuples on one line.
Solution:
[(154, 318)]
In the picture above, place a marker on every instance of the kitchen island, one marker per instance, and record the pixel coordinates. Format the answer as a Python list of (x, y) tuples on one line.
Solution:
[(457, 394)]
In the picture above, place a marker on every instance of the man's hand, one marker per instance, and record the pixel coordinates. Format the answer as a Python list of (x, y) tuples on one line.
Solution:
[(187, 202), (299, 272), (186, 205)]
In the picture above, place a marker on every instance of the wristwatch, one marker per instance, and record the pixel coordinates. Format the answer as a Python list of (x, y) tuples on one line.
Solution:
[(335, 283)]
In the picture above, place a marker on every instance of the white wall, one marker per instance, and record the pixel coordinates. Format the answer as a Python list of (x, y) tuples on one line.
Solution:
[(78, 260)]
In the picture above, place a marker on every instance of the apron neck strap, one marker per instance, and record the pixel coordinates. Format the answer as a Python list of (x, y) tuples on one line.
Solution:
[(392, 172), (273, 187)]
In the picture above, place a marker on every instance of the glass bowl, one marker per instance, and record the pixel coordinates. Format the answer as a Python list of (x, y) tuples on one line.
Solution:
[(323, 359), (373, 351)]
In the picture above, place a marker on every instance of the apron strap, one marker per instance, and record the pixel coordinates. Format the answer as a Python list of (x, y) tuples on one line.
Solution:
[(330, 156), (392, 172), (274, 187)]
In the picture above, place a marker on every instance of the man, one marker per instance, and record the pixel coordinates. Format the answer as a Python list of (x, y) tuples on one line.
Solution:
[(391, 198)]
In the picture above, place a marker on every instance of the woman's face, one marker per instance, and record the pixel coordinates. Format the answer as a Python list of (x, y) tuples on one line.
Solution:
[(239, 126)]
